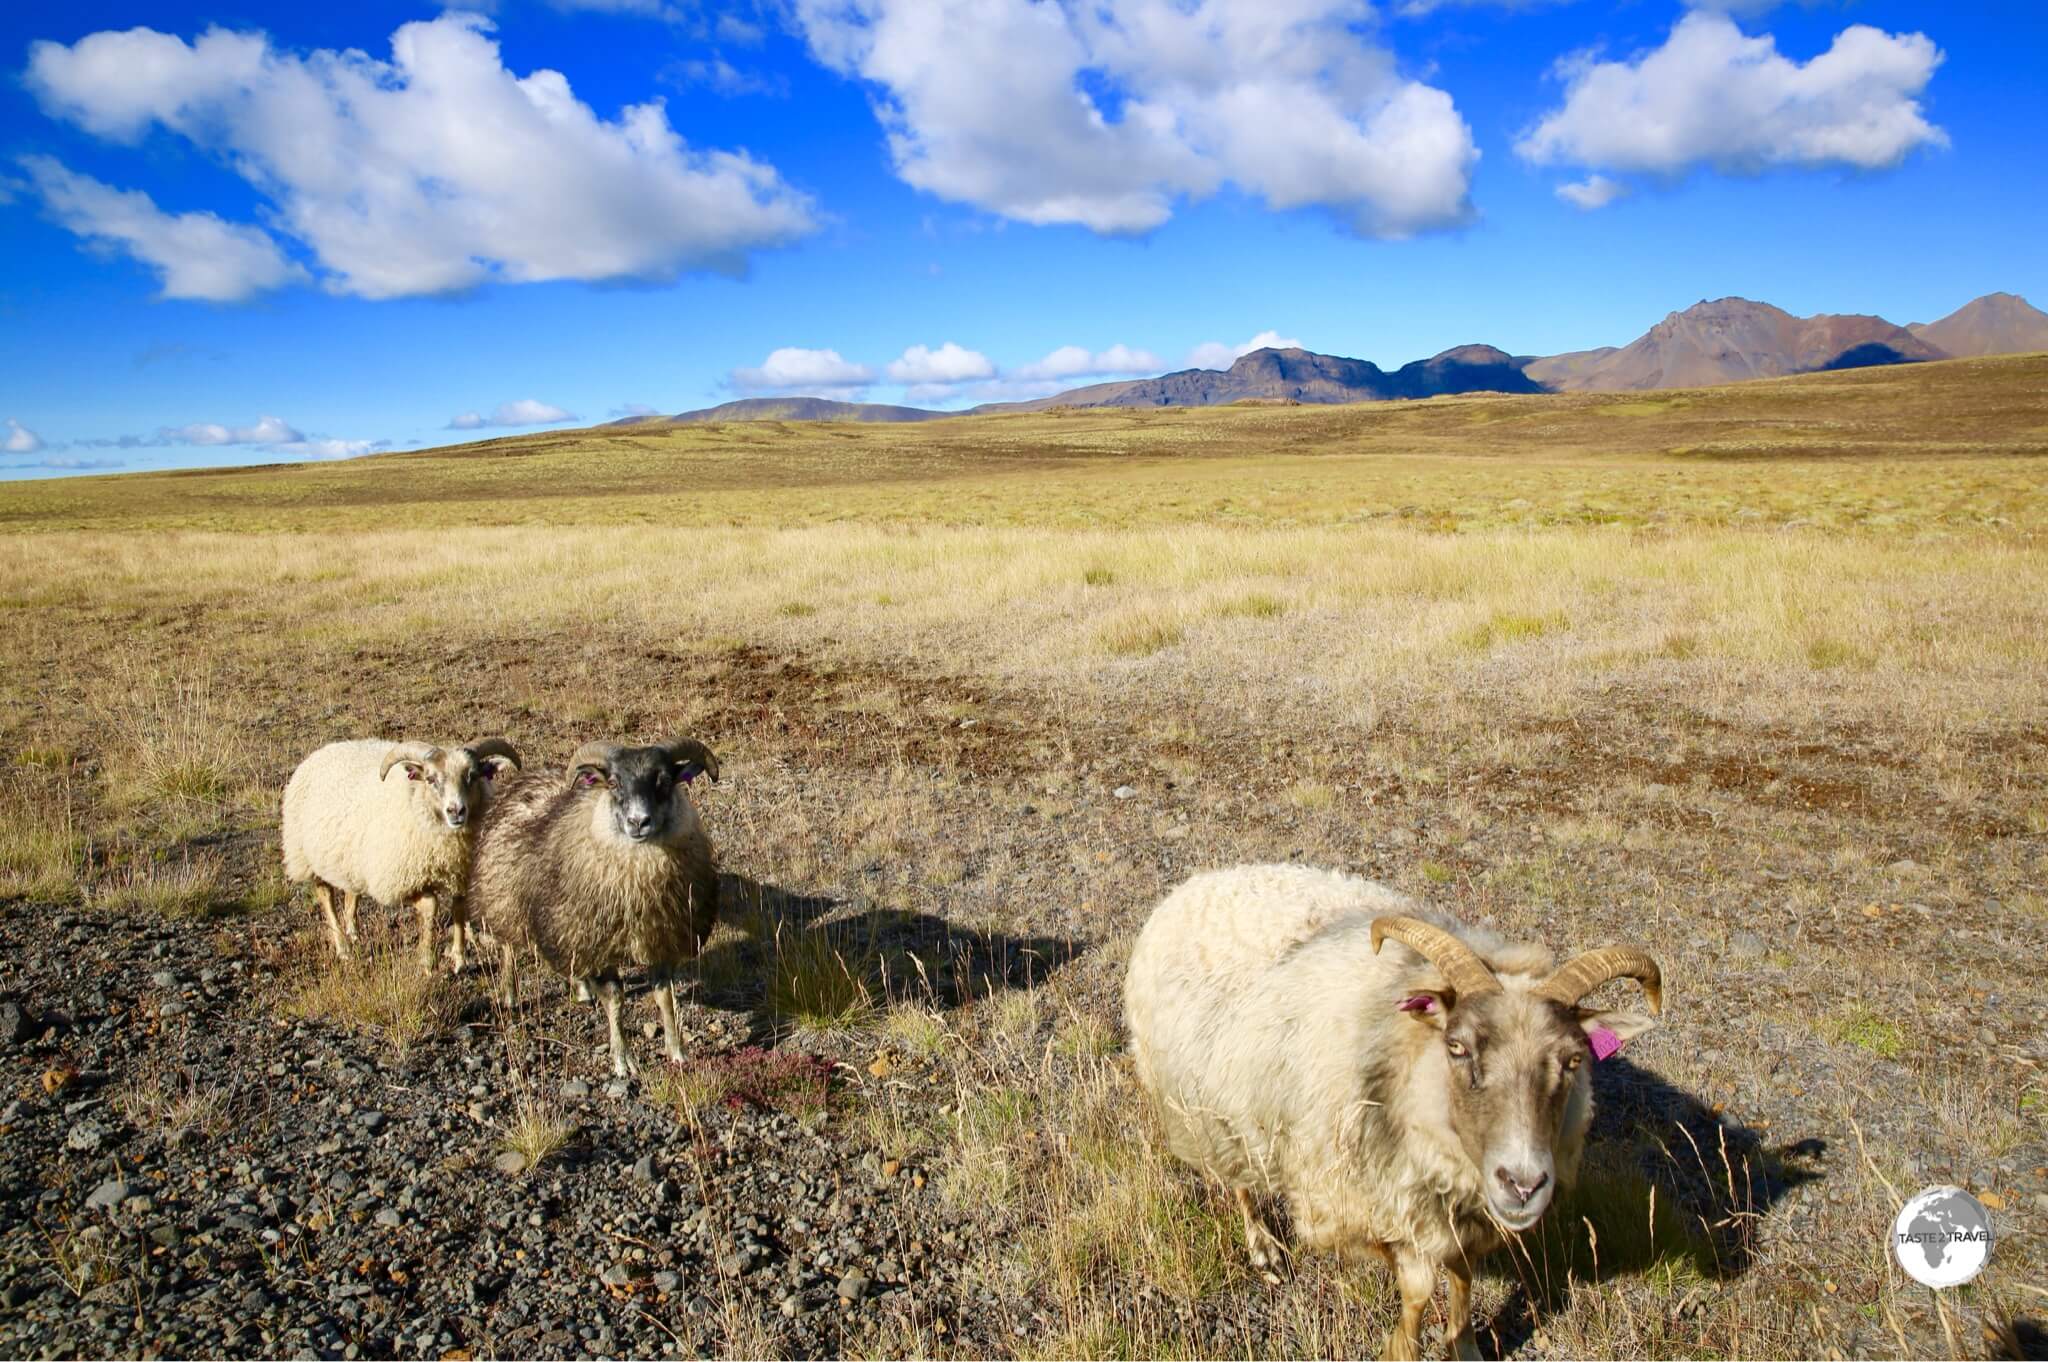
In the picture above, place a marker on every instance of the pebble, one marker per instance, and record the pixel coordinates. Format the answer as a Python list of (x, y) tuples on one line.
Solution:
[(164, 978), (619, 1088), (108, 1195), (372, 1121), (666, 1282), (618, 1274), (852, 1286), (85, 1137), (389, 1218), (575, 1087), (1124, 792), (15, 1025), (643, 1168)]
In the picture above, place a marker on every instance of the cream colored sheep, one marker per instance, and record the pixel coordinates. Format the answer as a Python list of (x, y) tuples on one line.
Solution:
[(1423, 1102), (352, 827)]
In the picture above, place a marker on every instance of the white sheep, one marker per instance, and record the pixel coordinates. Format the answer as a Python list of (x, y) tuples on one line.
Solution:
[(1423, 1103), (351, 828)]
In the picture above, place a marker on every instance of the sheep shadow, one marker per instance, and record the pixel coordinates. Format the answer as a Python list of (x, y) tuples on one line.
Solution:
[(1670, 1190), (783, 960)]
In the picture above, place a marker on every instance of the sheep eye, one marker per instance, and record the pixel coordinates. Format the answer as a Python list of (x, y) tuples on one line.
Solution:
[(1572, 1061), (1457, 1049)]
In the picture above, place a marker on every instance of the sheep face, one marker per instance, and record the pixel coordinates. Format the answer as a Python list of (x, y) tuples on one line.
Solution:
[(455, 785), (1513, 1063), (639, 795)]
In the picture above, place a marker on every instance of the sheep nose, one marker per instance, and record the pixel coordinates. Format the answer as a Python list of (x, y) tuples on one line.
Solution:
[(1517, 1187), (639, 824), (456, 816)]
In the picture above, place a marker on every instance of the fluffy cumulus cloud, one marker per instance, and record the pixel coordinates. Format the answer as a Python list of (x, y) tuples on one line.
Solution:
[(379, 168), (946, 366), (268, 430), (1108, 113), (526, 411), (795, 371), (195, 255), (20, 439), (1712, 95), (1217, 355), (1595, 191), (1077, 361)]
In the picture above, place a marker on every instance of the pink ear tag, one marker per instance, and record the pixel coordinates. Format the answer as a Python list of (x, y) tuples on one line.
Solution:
[(1603, 1043), (1420, 1002)]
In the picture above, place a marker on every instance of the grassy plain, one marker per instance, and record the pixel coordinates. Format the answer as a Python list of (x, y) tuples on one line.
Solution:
[(1757, 676)]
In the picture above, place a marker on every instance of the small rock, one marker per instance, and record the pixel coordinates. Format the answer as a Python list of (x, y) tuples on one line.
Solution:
[(575, 1087), (164, 978), (1124, 792), (666, 1282), (172, 1008), (107, 1195), (85, 1137), (619, 1088), (618, 1274), (735, 1264), (852, 1286), (643, 1171), (372, 1121), (390, 1219), (1747, 946), (15, 1024), (511, 1161), (790, 1305)]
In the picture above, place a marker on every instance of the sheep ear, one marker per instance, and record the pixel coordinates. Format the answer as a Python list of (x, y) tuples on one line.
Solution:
[(1427, 1006), (576, 774), (1607, 1032)]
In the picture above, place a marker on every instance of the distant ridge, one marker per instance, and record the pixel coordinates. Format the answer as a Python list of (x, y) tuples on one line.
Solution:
[(1723, 340), (789, 409)]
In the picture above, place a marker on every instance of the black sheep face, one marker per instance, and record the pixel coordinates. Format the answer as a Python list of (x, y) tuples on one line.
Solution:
[(641, 793)]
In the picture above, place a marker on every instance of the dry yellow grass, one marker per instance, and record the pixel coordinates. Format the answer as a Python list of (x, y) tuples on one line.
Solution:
[(1766, 662)]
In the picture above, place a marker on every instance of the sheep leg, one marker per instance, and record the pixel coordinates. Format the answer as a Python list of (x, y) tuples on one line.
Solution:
[(671, 1031), (612, 992), (324, 892), (348, 914), (584, 992), (458, 933), (424, 905), (1264, 1248), (1464, 1339), (508, 979), (1417, 1276)]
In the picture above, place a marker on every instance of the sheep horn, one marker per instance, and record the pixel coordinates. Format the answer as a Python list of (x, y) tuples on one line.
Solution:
[(407, 752), (1466, 973), (494, 747), (689, 749), (1582, 974), (595, 756)]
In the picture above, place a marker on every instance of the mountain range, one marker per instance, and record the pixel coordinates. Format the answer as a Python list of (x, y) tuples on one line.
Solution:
[(1724, 340)]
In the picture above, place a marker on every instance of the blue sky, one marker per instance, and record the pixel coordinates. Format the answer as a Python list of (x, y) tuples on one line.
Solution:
[(250, 232)]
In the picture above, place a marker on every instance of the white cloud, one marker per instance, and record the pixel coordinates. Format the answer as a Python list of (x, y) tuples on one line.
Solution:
[(1711, 95), (268, 430), (633, 409), (949, 364), (1217, 355), (1074, 361), (1595, 191), (524, 412), (1106, 114), (195, 255), (20, 439), (330, 449), (794, 370), (436, 171), (722, 77)]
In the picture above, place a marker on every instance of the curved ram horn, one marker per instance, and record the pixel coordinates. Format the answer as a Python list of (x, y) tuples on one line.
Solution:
[(689, 749), (1466, 973), (595, 756), (407, 751), (1582, 974), (494, 747)]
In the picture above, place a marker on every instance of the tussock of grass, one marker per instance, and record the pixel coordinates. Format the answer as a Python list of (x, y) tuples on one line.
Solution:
[(814, 986), (175, 1105), (537, 1133), (173, 747), (187, 885), (1139, 630), (40, 844), (385, 994), (1311, 794), (1258, 605)]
